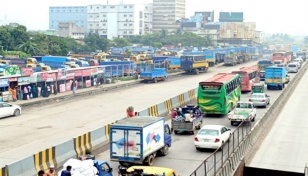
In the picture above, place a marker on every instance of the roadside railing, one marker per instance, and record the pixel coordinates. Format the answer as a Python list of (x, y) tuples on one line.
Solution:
[(216, 160)]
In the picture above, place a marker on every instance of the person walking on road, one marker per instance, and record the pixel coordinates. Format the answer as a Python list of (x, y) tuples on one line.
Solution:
[(51, 171), (74, 86), (41, 173), (67, 172)]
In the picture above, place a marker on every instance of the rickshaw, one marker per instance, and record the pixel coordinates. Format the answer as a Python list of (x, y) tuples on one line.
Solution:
[(258, 88)]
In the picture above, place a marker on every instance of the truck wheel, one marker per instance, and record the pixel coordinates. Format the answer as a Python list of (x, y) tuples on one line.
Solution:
[(150, 160), (253, 119), (165, 150), (176, 132), (232, 123), (155, 80), (197, 72)]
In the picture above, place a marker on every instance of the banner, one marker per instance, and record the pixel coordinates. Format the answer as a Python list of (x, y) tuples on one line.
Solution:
[(51, 77), (4, 82), (39, 77), (62, 88), (88, 83), (12, 71), (61, 74), (94, 71), (101, 70), (86, 72), (33, 78), (69, 74), (27, 71), (77, 73), (23, 80), (44, 76)]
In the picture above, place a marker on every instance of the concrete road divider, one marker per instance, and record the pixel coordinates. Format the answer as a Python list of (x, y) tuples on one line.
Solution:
[(181, 100), (168, 105), (3, 171), (175, 102), (22, 167), (64, 151), (82, 143), (192, 95), (153, 111), (45, 158), (162, 109), (144, 112), (98, 138)]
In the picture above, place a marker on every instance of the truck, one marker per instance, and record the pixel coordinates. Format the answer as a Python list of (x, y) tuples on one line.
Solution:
[(280, 56), (276, 77), (230, 60), (157, 74), (302, 55), (194, 63), (243, 112), (22, 62), (180, 126), (54, 62), (139, 139), (118, 68), (83, 167)]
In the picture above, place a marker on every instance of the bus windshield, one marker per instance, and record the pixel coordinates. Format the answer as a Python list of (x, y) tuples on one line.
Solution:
[(211, 87)]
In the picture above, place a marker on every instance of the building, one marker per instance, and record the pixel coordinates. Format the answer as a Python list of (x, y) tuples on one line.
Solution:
[(71, 14), (167, 14), (197, 21), (67, 29), (258, 37), (120, 20), (231, 17)]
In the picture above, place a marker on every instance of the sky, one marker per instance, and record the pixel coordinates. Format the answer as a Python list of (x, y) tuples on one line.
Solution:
[(271, 16)]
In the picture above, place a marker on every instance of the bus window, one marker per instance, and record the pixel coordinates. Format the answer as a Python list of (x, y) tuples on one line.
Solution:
[(210, 87)]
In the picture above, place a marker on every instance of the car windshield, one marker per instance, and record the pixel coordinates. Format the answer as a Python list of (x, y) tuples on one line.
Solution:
[(243, 105), (209, 132), (292, 65), (257, 96)]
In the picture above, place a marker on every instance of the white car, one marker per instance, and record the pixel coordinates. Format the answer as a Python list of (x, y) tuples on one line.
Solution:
[(260, 99), (299, 60), (297, 63), (212, 137), (293, 67), (7, 109)]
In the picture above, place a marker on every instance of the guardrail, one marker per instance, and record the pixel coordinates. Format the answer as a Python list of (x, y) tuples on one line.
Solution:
[(59, 154), (228, 162)]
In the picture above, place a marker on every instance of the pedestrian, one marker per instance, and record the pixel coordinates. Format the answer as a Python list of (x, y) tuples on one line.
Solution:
[(74, 86), (97, 82), (102, 81), (67, 172), (51, 171), (41, 173), (55, 88)]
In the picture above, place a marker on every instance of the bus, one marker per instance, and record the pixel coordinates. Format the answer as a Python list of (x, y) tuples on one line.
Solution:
[(248, 74), (267, 54), (219, 94)]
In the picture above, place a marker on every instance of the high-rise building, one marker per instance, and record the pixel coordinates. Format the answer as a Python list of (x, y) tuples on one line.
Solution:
[(70, 14), (120, 20), (231, 17), (167, 14)]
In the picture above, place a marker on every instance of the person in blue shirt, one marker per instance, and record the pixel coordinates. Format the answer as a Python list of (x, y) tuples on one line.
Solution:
[(198, 112), (67, 172)]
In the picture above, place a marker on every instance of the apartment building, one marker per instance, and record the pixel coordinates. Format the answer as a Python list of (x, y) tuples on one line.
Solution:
[(120, 20), (70, 14), (167, 14)]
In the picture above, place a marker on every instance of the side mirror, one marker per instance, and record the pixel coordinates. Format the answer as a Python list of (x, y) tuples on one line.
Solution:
[(110, 170)]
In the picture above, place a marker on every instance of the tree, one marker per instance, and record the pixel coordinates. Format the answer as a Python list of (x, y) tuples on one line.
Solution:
[(157, 44), (5, 38), (29, 47), (96, 42), (120, 42), (163, 33)]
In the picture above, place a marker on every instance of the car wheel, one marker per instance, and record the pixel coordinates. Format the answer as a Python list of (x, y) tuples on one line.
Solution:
[(16, 112), (197, 148)]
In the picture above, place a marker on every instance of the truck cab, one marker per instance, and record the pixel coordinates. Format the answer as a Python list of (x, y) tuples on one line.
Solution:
[(31, 61), (157, 74), (103, 168)]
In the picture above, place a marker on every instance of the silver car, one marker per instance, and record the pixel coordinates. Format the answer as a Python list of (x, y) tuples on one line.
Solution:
[(260, 99)]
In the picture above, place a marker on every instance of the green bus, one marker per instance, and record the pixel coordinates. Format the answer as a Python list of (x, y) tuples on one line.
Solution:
[(219, 94)]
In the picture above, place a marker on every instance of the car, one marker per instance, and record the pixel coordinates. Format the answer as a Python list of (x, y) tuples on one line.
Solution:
[(212, 137), (293, 67), (7, 109), (297, 63), (299, 59), (260, 99)]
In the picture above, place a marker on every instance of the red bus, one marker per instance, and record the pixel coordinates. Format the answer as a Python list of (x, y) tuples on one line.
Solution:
[(248, 74)]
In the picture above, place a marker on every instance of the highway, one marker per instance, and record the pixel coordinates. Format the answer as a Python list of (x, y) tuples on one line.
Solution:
[(183, 157), (41, 127), (288, 137)]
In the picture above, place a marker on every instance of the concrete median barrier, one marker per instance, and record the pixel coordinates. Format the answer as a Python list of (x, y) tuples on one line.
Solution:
[(175, 102), (161, 109), (82, 143), (168, 105), (153, 111), (3, 171), (64, 151), (98, 138), (22, 167), (45, 158), (181, 100)]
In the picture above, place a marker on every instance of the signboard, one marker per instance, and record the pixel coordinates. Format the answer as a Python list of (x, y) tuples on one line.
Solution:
[(68, 85), (4, 82), (94, 71), (44, 76), (27, 71), (39, 77), (78, 73), (69, 75), (23, 80), (12, 71), (13, 79), (239, 30), (51, 77), (33, 78), (88, 83), (61, 75), (101, 70), (86, 72), (62, 88)]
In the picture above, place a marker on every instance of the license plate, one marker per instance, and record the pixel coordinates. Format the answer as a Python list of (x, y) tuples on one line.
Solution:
[(206, 140)]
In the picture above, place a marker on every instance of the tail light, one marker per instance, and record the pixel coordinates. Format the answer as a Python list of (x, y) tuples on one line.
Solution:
[(196, 139), (217, 140), (263, 100)]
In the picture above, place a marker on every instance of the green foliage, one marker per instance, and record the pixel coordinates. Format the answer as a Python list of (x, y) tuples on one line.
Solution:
[(96, 42), (120, 42), (18, 53)]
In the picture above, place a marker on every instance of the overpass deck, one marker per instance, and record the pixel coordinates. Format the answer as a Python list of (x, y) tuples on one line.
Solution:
[(285, 148)]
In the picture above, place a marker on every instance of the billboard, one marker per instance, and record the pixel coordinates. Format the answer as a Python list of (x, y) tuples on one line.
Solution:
[(237, 30)]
